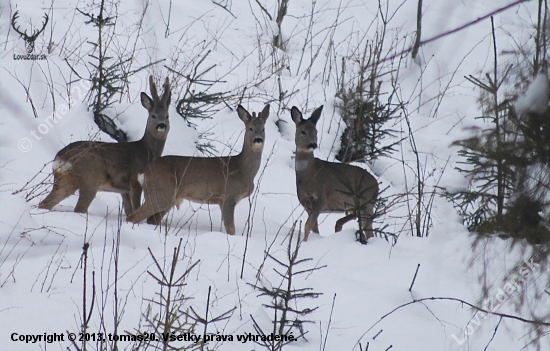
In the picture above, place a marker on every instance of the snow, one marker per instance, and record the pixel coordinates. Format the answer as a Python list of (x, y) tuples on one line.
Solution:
[(535, 98), (41, 268)]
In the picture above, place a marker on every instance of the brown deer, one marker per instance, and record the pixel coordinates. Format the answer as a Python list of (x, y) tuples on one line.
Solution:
[(92, 166), (215, 180), (328, 186)]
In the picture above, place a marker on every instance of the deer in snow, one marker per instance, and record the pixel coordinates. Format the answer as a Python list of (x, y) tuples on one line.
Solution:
[(92, 166), (324, 186), (223, 181)]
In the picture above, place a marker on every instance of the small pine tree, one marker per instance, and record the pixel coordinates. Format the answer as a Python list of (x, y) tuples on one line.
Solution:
[(107, 74), (509, 169), (196, 100), (366, 117), (490, 156), (287, 316), (508, 163), (491, 169), (166, 314)]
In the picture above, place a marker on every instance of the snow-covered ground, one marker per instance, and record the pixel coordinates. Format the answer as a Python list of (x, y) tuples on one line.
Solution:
[(41, 268)]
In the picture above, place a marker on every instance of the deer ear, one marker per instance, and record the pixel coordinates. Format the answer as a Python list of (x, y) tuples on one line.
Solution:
[(146, 101), (168, 98), (153, 88), (265, 113), (167, 94), (316, 115), (243, 114), (296, 115)]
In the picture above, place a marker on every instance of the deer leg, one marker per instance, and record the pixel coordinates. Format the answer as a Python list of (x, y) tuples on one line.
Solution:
[(154, 207), (156, 219), (366, 220), (85, 198), (228, 216), (126, 204), (148, 209), (61, 190), (311, 223), (340, 223), (132, 200), (145, 211), (315, 227)]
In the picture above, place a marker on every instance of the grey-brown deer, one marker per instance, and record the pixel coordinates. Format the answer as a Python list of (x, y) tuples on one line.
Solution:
[(215, 180), (92, 166), (328, 186)]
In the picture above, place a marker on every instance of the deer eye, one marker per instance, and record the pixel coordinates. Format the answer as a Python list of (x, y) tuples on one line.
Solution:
[(250, 129), (263, 129), (303, 132), (154, 116)]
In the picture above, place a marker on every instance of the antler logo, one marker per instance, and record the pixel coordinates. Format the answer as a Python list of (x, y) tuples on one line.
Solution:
[(29, 40)]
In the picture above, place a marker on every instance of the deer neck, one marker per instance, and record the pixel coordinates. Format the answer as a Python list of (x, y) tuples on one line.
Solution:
[(249, 160), (304, 161), (154, 146)]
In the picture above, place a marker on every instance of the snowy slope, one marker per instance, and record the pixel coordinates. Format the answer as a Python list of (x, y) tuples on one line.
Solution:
[(41, 274)]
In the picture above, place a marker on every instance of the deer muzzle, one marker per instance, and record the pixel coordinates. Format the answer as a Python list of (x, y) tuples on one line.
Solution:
[(312, 146), (161, 127), (258, 141)]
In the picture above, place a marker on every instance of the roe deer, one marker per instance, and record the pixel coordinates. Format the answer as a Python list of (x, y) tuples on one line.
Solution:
[(92, 166), (328, 186), (215, 180)]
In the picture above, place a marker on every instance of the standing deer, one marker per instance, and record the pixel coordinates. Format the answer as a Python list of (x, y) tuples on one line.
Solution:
[(327, 186), (92, 166), (215, 180)]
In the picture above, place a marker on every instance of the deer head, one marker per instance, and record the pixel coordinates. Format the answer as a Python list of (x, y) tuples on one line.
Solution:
[(254, 134), (29, 40), (158, 123), (306, 130)]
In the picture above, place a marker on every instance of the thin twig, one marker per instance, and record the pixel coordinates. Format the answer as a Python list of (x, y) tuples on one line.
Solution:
[(414, 278), (493, 336), (502, 315), (264, 10), (452, 31), (329, 321)]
